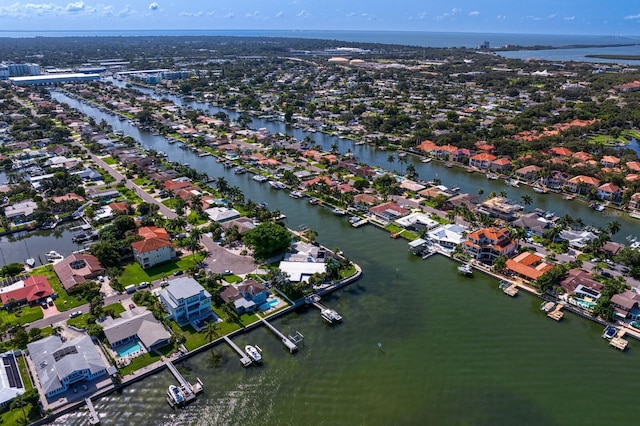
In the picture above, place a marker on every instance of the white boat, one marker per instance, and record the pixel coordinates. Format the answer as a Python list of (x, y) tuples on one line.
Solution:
[(30, 262), (239, 170), (330, 315), (176, 394), (339, 212), (296, 194), (547, 306), (253, 353), (426, 160), (54, 256), (260, 178), (599, 207), (465, 269), (492, 176), (609, 333), (277, 185)]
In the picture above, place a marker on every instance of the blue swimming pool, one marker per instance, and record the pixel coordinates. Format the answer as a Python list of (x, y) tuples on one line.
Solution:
[(269, 304), (128, 348)]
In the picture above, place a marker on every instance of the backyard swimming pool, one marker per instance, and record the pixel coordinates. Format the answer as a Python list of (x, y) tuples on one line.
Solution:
[(269, 304), (128, 348)]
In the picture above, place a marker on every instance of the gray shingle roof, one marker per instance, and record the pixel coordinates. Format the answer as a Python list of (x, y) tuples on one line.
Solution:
[(139, 323)]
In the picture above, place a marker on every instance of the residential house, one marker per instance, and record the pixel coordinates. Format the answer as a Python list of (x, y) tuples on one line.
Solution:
[(582, 184), (527, 265), (634, 166), (469, 201), (501, 165), (33, 290), (222, 214), (609, 192), (152, 251), (136, 324), (246, 297), (11, 382), (77, 268), (482, 161), (388, 211), (487, 244), (533, 223), (609, 161), (59, 364), (447, 236), (625, 305), (20, 212), (560, 151), (634, 202), (528, 172), (185, 300), (500, 207), (577, 239)]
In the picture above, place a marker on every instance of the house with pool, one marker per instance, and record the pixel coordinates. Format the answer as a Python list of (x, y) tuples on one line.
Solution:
[(248, 296), (186, 301), (136, 331)]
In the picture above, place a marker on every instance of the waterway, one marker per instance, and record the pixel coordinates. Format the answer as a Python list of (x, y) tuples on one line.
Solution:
[(454, 350), (467, 182)]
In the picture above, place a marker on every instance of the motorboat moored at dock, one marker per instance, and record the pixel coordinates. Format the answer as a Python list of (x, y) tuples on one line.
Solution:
[(330, 315), (176, 395), (254, 353), (465, 269)]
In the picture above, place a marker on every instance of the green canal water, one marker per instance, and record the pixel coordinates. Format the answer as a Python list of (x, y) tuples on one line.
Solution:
[(455, 351)]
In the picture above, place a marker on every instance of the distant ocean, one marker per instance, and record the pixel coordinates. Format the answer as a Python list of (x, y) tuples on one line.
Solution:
[(408, 38)]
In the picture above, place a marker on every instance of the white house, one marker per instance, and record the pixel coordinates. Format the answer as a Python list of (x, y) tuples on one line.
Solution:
[(59, 365), (11, 384), (152, 251), (185, 300)]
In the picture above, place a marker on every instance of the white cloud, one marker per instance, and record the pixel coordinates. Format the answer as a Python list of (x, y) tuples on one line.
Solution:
[(303, 13), (279, 14), (552, 16), (153, 6), (632, 16), (75, 7), (501, 17), (192, 14), (253, 14), (350, 15), (474, 13), (449, 15), (229, 16), (569, 18)]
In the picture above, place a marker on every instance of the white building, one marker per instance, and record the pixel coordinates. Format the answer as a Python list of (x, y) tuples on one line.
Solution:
[(11, 384), (153, 251), (185, 300), (59, 365)]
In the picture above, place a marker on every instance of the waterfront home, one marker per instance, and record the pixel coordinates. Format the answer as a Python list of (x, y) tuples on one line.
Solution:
[(487, 244), (388, 211), (245, 297), (500, 207), (625, 305), (609, 192), (501, 165), (582, 184), (366, 200), (527, 265), (301, 271), (242, 224), (58, 365), (222, 214), (77, 268), (410, 185), (417, 222), (186, 300), (482, 160), (33, 290), (469, 201), (306, 252), (103, 195), (11, 382), (447, 236), (20, 212), (634, 202), (136, 324)]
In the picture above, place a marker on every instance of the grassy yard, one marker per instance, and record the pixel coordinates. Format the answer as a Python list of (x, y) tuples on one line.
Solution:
[(146, 359), (80, 321), (117, 309), (231, 279), (63, 301), (109, 160), (129, 195), (393, 228), (196, 219), (22, 366), (16, 416), (170, 202), (24, 315), (344, 273), (134, 274)]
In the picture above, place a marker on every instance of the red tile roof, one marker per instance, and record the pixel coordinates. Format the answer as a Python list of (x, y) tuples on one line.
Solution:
[(35, 288), (150, 244), (529, 265)]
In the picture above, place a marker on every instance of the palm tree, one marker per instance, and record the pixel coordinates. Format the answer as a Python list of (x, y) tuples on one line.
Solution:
[(391, 158), (613, 227), (222, 185), (211, 330), (526, 200), (451, 216)]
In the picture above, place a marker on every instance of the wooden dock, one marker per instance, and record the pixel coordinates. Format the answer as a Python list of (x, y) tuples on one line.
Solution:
[(285, 340), (190, 391), (619, 342), (244, 359), (93, 415), (360, 223), (557, 313), (512, 290)]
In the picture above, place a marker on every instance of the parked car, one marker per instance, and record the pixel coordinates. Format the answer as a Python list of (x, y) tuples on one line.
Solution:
[(178, 273), (143, 284), (75, 314), (131, 306)]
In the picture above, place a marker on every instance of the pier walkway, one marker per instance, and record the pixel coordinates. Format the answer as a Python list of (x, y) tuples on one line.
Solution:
[(557, 313), (244, 359), (285, 340), (360, 223), (618, 342), (93, 415), (190, 391)]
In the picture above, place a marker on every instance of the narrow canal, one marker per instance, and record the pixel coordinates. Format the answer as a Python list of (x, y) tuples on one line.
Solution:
[(454, 350)]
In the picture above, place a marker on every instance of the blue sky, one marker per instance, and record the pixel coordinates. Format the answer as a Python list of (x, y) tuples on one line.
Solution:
[(606, 17)]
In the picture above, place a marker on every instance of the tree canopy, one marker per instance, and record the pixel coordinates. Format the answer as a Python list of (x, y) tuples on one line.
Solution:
[(267, 239)]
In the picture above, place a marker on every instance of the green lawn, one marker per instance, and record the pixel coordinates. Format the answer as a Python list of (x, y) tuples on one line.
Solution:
[(109, 160), (117, 309), (16, 416), (80, 321), (231, 279), (344, 273), (195, 219), (26, 379), (393, 228), (146, 359), (170, 202), (63, 301), (129, 195), (134, 274), (23, 315)]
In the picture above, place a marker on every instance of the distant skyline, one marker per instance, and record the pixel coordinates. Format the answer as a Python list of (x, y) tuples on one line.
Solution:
[(597, 17)]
